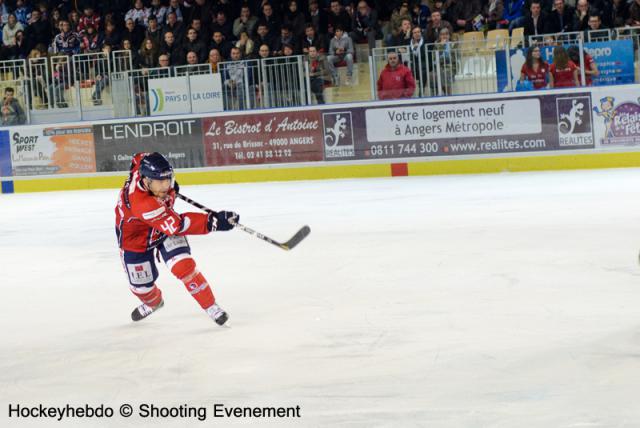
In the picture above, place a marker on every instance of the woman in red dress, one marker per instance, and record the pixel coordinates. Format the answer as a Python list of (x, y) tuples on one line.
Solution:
[(535, 69), (563, 73)]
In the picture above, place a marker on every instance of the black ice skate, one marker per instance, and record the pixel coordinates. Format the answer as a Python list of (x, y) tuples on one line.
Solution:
[(217, 314), (144, 311)]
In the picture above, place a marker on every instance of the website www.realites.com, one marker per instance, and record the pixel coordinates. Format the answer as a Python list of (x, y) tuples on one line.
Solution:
[(497, 145)]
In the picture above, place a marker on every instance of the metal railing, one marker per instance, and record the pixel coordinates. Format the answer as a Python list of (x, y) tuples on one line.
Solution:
[(91, 73), (242, 84), (285, 81)]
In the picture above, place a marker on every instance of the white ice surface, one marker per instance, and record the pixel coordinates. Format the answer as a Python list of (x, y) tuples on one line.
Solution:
[(507, 300)]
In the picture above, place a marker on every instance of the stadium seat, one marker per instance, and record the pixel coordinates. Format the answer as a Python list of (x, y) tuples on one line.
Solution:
[(471, 42), (517, 37), (497, 39)]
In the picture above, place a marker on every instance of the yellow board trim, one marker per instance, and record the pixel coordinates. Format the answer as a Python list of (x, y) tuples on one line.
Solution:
[(322, 172)]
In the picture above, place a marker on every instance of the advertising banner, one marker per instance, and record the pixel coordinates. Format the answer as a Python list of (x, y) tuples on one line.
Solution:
[(169, 95), (206, 93), (616, 117), (519, 124), (265, 138), (180, 140), (52, 150), (614, 60)]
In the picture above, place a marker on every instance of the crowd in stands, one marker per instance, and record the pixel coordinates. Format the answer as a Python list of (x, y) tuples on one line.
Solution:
[(176, 32)]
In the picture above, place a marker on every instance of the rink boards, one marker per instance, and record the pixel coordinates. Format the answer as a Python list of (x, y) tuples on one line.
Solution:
[(580, 128)]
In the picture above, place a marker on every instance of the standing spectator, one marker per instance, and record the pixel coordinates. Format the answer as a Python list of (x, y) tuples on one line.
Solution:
[(338, 17), (419, 58), (233, 82), (590, 66), (102, 75), (535, 69), (563, 73), (492, 13), (10, 29), (318, 17), (365, 25), (534, 24), (38, 31), (294, 19), (340, 49), (134, 33), (316, 74), (447, 62), (560, 19), (436, 25), (214, 59), (148, 54), (12, 113), (66, 42), (59, 81), (462, 14), (396, 80), (245, 22), (312, 39), (634, 14), (138, 14)]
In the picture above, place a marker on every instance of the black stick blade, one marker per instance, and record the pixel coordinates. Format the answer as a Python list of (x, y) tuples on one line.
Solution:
[(297, 238)]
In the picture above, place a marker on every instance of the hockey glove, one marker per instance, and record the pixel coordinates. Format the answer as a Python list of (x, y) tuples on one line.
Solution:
[(222, 221)]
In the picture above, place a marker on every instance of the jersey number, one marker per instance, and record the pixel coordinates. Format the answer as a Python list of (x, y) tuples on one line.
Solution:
[(169, 226)]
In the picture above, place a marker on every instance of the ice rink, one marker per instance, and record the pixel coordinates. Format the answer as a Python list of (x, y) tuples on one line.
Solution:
[(505, 300)]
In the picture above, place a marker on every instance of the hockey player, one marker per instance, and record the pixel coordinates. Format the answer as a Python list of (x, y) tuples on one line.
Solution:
[(146, 223)]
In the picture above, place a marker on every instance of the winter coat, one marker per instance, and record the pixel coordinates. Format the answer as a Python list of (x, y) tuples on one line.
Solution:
[(394, 84)]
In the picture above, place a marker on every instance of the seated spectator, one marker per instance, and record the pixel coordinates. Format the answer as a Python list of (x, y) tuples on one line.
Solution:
[(365, 25), (214, 59), (432, 34), (133, 33), (74, 20), (89, 17), (560, 19), (173, 25), (264, 51), (218, 42), (66, 42), (269, 18), (400, 14), (203, 33), (192, 58), (312, 39), (264, 37), (580, 20), (634, 14), (294, 19), (462, 14), (112, 36), (38, 31), (10, 29), (338, 17), (153, 30), (492, 13), (164, 61), (138, 14), (245, 44), (420, 14), (286, 38), (396, 80), (91, 41), (176, 8), (534, 23), (193, 44), (340, 49), (447, 62), (245, 22), (513, 13), (619, 13), (148, 54), (223, 25), (19, 50), (22, 12), (590, 66), (170, 48), (11, 111), (318, 18), (563, 73), (535, 69), (595, 22), (316, 74), (403, 36), (56, 19), (158, 11)]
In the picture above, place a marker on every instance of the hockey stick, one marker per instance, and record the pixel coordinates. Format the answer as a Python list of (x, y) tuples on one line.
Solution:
[(289, 245)]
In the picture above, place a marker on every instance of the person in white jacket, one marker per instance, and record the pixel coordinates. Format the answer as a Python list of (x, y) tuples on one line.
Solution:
[(10, 29)]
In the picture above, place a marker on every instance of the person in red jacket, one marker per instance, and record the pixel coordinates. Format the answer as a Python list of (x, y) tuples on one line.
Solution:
[(396, 80), (146, 223)]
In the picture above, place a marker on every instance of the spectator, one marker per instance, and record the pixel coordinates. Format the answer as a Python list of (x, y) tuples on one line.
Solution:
[(233, 82), (193, 44), (176, 8), (462, 14), (158, 11), (89, 17), (365, 25), (264, 37), (20, 48), (148, 54), (245, 44), (420, 14), (74, 20), (535, 69), (403, 36), (56, 19), (37, 73), (563, 73), (619, 13), (399, 14), (294, 19), (245, 22), (102, 76), (203, 34), (134, 33), (264, 51), (214, 59), (223, 25), (59, 80), (111, 35), (91, 41), (316, 74), (312, 39), (10, 29), (338, 17), (203, 9), (534, 24), (435, 26), (4, 13), (192, 58), (170, 48), (286, 38), (164, 60), (580, 21), (418, 55), (12, 113), (396, 80), (22, 12), (66, 42), (594, 23), (447, 62), (269, 18), (492, 13), (514, 13), (340, 49), (634, 14), (38, 31), (218, 42), (560, 18), (153, 31), (174, 25), (590, 66), (318, 18), (138, 14)]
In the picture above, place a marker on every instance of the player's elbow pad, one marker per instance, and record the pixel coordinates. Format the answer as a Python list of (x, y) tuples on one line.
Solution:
[(194, 224)]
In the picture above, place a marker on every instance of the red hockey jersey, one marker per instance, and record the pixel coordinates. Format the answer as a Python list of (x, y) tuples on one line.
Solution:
[(144, 221)]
